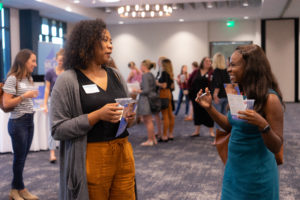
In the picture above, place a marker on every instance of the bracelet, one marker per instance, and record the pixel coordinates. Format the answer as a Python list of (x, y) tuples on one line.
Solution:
[(266, 129), (22, 97)]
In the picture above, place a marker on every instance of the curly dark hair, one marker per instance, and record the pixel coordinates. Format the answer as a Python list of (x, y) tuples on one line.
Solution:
[(79, 50)]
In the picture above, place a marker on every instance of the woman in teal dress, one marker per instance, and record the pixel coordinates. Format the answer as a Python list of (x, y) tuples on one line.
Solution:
[(251, 171)]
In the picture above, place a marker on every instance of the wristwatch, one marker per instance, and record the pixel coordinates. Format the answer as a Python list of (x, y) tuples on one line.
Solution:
[(266, 129)]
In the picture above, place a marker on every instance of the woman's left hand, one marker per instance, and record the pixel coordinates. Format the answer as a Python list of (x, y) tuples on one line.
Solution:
[(252, 117)]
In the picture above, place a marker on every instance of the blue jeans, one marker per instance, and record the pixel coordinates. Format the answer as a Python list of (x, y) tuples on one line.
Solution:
[(221, 107), (21, 133), (180, 97)]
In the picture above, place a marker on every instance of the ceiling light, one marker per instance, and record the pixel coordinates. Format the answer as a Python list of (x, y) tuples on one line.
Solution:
[(38, 0), (94, 2), (121, 10), (209, 5), (127, 8), (245, 3), (133, 14), (108, 10), (144, 11), (174, 6), (181, 20), (152, 13), (76, 1), (165, 7), (121, 22), (157, 7), (246, 17), (147, 7)]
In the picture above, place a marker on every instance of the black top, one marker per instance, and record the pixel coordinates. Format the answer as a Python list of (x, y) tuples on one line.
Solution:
[(165, 78), (220, 76), (198, 82), (103, 130)]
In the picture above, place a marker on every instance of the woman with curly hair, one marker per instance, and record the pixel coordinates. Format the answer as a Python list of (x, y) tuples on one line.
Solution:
[(94, 162)]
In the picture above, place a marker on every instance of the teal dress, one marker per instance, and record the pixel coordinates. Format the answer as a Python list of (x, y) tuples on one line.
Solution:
[(251, 171)]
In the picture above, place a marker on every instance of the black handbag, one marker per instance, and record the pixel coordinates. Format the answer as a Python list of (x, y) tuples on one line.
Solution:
[(164, 103), (155, 103)]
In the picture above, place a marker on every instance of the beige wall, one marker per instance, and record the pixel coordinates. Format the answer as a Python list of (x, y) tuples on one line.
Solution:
[(183, 43), (281, 54)]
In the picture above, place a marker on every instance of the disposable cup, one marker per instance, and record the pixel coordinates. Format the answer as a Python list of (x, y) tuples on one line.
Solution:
[(122, 103), (249, 103)]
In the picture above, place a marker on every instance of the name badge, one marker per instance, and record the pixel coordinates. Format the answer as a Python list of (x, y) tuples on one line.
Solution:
[(22, 85), (91, 89)]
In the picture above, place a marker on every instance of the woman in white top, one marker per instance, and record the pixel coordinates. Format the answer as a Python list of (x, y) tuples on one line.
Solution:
[(18, 93)]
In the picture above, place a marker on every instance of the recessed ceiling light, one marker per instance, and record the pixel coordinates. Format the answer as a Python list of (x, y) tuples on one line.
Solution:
[(174, 6), (245, 3), (109, 1), (94, 2), (181, 20), (209, 5), (121, 22), (76, 1), (38, 0), (246, 17)]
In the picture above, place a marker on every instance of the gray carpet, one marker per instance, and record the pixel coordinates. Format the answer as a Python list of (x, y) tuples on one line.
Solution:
[(182, 169)]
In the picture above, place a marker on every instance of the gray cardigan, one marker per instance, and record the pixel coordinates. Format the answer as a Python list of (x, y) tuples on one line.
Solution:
[(70, 126)]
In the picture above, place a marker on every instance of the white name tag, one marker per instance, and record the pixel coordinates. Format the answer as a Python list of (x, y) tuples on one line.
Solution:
[(23, 85), (90, 89)]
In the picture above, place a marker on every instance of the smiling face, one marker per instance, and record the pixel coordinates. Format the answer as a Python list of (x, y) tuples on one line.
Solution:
[(207, 63), (103, 52), (30, 63), (236, 67)]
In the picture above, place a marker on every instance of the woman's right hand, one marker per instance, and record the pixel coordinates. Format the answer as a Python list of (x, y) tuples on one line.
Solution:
[(111, 112), (204, 101), (31, 94)]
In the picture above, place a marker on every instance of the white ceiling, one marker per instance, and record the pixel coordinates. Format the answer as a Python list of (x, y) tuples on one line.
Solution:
[(190, 10)]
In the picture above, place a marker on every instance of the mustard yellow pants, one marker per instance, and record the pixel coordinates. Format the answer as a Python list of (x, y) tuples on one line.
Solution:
[(169, 119), (110, 170)]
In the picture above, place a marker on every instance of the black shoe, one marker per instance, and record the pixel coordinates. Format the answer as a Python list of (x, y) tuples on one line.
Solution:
[(161, 140), (195, 135), (171, 139), (53, 161)]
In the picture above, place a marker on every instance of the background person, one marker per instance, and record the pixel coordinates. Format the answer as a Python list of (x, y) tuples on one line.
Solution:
[(50, 78), (165, 83), (94, 162), (148, 89), (200, 79), (220, 76), (157, 115), (182, 80), (251, 171), (135, 74), (18, 93)]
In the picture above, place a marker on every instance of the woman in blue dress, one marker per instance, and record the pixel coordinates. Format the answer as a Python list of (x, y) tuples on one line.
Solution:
[(251, 171)]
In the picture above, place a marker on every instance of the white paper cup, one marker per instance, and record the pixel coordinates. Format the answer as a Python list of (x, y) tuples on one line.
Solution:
[(122, 102), (249, 103)]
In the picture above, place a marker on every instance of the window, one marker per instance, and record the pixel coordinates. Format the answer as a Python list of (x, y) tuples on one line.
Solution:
[(5, 43), (52, 31)]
